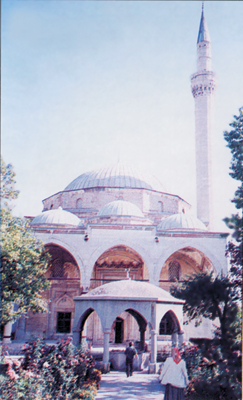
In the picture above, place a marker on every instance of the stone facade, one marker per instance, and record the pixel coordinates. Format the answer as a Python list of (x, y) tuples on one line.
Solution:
[(101, 250), (87, 202)]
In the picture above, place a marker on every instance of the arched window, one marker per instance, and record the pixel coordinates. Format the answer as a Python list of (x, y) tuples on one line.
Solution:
[(161, 206), (79, 203), (174, 271)]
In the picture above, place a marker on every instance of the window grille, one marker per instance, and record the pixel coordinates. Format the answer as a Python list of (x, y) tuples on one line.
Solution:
[(63, 322), (57, 269), (174, 271)]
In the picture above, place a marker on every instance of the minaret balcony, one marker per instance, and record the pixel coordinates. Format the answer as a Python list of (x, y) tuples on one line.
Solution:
[(203, 83)]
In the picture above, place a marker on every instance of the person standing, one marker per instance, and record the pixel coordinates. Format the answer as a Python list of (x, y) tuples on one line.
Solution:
[(130, 352), (174, 376)]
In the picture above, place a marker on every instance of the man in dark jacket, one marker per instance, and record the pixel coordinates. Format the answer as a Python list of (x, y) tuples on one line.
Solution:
[(130, 352)]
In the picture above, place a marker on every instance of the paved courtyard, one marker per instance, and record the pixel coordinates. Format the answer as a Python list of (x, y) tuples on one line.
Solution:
[(141, 386)]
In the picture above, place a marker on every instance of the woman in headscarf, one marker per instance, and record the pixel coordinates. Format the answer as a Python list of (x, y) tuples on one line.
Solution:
[(174, 376)]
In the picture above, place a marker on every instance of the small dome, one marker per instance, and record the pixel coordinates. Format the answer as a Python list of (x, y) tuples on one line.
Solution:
[(56, 217), (116, 176), (182, 221), (128, 289), (120, 208)]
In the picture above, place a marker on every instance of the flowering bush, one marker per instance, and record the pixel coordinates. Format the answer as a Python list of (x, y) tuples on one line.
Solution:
[(210, 375), (58, 372)]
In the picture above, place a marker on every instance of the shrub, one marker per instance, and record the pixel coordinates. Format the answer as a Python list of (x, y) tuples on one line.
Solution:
[(210, 375), (56, 372)]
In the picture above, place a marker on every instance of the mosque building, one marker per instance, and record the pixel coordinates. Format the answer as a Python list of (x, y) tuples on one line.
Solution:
[(117, 233)]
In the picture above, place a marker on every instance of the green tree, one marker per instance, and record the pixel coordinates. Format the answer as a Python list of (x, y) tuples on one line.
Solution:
[(234, 250), (215, 297), (234, 139), (210, 297), (23, 264), (23, 259), (8, 191)]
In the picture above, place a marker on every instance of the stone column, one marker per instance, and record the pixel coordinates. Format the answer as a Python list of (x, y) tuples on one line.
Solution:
[(107, 333), (153, 346), (77, 335), (180, 338), (142, 339), (152, 366), (174, 339)]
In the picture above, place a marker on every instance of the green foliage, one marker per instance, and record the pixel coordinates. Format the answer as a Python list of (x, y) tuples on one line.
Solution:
[(210, 378), (214, 297), (234, 139), (205, 296), (23, 259), (200, 370), (8, 182), (23, 264), (234, 251), (58, 372)]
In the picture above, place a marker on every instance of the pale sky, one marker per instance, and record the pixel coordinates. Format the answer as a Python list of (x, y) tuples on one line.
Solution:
[(85, 83)]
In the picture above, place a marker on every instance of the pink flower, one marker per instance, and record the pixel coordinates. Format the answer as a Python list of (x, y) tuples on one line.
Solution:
[(29, 374), (45, 365), (9, 362), (12, 374), (17, 363)]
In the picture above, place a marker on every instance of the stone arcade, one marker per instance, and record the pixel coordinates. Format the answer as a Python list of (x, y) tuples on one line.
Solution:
[(117, 222)]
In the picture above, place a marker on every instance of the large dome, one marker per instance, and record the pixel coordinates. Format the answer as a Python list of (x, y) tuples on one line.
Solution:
[(120, 208), (56, 217), (128, 289), (116, 176)]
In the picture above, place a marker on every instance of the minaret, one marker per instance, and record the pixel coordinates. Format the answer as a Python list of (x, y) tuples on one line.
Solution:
[(203, 84)]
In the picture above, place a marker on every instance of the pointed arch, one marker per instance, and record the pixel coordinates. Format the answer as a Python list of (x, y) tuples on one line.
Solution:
[(184, 261), (147, 260), (115, 263), (207, 250), (66, 246), (83, 318), (169, 324)]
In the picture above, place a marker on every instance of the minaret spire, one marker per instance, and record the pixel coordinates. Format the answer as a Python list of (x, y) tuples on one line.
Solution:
[(203, 84), (203, 34)]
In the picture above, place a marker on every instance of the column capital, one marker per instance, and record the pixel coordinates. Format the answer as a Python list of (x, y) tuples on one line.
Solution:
[(107, 330)]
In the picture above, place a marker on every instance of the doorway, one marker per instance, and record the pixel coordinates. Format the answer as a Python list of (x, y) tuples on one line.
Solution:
[(119, 330)]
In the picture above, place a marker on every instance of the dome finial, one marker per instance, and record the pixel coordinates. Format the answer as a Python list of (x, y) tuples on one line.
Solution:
[(128, 276)]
